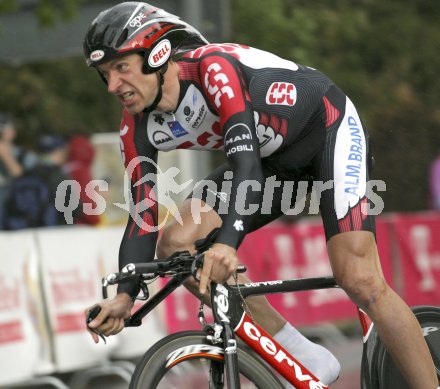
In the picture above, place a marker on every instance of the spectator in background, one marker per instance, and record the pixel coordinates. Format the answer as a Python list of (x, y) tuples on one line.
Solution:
[(13, 159), (434, 182), (81, 154), (31, 199)]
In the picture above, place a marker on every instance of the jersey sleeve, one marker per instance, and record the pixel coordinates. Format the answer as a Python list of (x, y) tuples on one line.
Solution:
[(227, 92), (140, 160)]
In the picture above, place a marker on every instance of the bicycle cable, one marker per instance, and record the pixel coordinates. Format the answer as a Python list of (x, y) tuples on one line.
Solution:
[(244, 304)]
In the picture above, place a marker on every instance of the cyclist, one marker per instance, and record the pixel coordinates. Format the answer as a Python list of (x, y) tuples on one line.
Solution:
[(272, 118)]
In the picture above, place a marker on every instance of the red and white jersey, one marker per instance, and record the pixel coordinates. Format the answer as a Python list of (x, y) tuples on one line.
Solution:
[(216, 82), (196, 122), (252, 104)]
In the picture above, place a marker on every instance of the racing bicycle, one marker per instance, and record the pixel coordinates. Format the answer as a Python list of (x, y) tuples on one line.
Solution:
[(235, 352)]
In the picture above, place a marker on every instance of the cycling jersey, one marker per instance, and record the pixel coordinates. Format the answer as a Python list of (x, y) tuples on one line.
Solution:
[(270, 117)]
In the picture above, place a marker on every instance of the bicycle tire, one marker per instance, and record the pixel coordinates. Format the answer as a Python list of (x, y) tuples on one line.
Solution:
[(191, 348), (429, 319), (381, 370)]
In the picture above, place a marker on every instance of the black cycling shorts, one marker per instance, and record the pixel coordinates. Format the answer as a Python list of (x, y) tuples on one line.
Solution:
[(333, 161)]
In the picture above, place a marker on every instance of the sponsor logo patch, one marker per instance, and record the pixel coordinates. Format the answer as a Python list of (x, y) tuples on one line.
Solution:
[(187, 111), (429, 330), (265, 283), (271, 351), (160, 137), (221, 299), (97, 55), (217, 83), (177, 129), (193, 350), (238, 225), (281, 93), (237, 139), (137, 20), (160, 54), (158, 118)]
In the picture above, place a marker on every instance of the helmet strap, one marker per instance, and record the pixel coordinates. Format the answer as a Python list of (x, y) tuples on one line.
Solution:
[(160, 80)]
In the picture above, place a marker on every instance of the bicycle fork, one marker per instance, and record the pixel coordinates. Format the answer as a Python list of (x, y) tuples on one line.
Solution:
[(230, 365)]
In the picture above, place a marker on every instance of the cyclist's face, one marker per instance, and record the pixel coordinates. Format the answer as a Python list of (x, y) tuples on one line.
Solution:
[(135, 90)]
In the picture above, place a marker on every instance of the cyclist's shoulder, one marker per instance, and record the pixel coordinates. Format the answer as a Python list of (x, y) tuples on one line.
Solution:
[(134, 132), (231, 50), (130, 121), (239, 54), (126, 117)]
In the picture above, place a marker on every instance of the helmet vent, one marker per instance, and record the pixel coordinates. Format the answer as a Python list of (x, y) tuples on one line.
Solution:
[(122, 38)]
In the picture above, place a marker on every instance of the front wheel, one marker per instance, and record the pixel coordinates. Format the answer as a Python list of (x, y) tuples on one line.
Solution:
[(187, 360)]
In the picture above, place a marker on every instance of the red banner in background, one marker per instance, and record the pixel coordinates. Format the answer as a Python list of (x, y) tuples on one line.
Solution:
[(417, 238), (281, 251), (297, 251)]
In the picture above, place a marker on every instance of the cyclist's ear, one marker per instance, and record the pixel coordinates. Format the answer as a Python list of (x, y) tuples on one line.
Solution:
[(204, 244)]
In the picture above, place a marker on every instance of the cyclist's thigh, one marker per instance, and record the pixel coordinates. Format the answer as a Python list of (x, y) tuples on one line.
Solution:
[(193, 220), (344, 166)]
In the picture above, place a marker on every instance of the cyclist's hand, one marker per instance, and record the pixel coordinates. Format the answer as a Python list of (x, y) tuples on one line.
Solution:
[(219, 263), (110, 320)]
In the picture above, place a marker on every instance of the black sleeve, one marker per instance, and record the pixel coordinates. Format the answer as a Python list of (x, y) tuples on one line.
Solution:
[(224, 87), (140, 236), (242, 150)]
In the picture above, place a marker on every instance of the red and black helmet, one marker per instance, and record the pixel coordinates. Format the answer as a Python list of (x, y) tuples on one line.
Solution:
[(138, 27)]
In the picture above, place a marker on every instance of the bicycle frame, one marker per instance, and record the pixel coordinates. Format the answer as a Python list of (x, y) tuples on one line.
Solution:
[(226, 303), (258, 339)]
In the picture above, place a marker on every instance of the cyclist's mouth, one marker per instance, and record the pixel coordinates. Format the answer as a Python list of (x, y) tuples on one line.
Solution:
[(127, 98)]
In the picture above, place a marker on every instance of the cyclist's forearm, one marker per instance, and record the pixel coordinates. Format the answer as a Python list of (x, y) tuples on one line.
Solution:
[(135, 249)]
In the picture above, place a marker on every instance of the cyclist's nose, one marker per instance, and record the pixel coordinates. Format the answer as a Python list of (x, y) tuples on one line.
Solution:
[(113, 82)]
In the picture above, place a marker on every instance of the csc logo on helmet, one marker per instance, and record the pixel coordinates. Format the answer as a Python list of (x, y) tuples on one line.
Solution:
[(97, 55), (160, 54)]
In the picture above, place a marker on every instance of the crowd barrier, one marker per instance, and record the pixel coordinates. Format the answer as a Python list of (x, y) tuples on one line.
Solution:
[(49, 276)]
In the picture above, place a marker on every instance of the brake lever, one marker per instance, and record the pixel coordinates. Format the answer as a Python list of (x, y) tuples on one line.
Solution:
[(145, 292), (90, 317), (196, 265)]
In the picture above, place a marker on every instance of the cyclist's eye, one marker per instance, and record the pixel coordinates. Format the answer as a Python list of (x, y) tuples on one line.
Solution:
[(122, 67)]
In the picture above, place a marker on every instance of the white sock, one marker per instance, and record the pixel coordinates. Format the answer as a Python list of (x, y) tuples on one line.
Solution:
[(320, 361)]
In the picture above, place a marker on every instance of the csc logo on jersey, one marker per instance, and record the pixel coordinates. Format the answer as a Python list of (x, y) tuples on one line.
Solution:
[(281, 93), (220, 86)]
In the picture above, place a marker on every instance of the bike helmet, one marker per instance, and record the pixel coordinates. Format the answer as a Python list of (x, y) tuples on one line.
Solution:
[(138, 27)]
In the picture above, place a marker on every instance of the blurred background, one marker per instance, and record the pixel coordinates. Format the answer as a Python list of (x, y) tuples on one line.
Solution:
[(384, 56)]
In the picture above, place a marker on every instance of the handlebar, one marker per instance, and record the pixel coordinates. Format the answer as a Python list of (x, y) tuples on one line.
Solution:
[(179, 264)]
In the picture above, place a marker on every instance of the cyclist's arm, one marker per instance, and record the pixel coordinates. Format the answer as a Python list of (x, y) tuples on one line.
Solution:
[(140, 236), (227, 93)]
